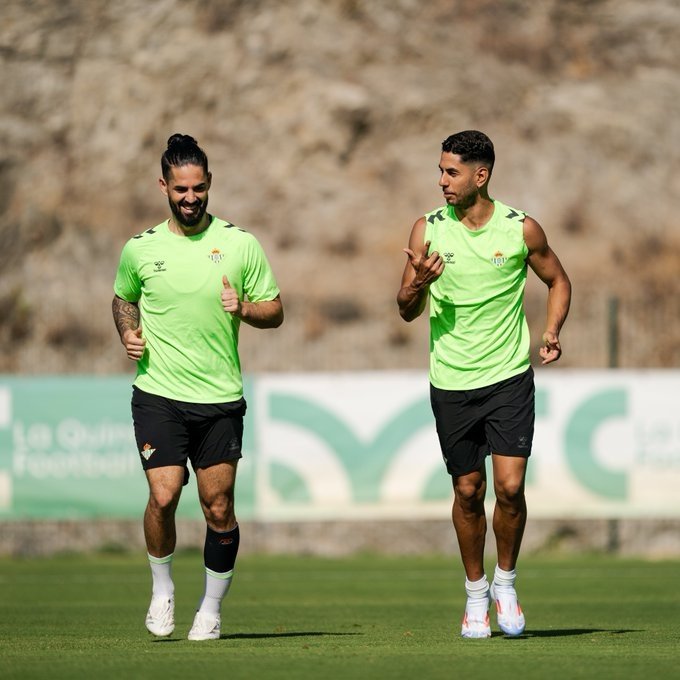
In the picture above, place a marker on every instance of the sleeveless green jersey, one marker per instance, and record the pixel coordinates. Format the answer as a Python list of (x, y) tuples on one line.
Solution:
[(191, 349), (478, 331)]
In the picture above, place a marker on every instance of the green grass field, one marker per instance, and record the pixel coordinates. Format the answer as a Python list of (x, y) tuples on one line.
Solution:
[(365, 617)]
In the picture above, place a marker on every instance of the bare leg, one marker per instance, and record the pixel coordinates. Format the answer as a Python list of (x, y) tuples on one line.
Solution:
[(510, 513), (509, 519), (216, 493), (165, 488), (469, 521)]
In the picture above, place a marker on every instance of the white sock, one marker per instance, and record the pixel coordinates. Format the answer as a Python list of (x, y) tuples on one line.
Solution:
[(216, 588), (161, 574), (477, 590), (504, 578)]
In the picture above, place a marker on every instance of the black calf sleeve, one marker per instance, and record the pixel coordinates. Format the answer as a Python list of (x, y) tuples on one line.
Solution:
[(221, 548)]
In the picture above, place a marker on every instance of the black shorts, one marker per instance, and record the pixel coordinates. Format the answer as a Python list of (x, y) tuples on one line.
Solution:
[(471, 424), (170, 432)]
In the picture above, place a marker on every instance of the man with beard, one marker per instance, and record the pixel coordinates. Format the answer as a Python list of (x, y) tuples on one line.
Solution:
[(469, 258), (182, 290)]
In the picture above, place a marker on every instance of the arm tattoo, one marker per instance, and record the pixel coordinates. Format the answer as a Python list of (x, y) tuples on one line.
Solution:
[(125, 315)]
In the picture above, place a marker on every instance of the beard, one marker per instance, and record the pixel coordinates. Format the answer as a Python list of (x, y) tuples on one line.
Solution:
[(175, 208), (464, 199)]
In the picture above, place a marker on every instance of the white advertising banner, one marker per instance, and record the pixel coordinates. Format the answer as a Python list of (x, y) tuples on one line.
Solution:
[(606, 444), (346, 446), (363, 445)]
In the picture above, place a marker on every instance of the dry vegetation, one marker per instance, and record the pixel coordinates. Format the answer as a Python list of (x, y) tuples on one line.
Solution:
[(322, 120)]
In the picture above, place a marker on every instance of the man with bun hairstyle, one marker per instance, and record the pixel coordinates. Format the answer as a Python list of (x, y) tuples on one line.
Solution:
[(469, 258), (182, 290)]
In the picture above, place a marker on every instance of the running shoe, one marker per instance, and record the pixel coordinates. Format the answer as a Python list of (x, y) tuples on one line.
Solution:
[(476, 618), (160, 619), (206, 627), (510, 615)]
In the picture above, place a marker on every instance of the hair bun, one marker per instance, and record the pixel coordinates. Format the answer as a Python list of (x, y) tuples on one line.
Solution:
[(181, 139)]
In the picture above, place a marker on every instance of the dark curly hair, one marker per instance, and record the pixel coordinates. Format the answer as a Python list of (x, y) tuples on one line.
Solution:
[(472, 146), (182, 150)]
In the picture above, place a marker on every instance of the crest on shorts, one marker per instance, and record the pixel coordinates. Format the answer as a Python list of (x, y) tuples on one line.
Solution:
[(147, 451), (216, 256)]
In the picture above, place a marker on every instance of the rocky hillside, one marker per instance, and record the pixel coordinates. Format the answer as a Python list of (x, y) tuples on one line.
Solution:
[(323, 120)]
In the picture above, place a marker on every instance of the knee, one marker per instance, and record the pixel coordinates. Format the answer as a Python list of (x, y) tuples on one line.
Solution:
[(163, 501), (468, 493), (219, 512), (509, 493)]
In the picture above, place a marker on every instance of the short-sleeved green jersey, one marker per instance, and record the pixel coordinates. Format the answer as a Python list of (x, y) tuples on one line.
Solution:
[(478, 331), (191, 349)]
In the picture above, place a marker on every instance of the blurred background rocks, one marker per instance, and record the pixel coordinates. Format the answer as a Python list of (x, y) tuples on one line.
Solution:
[(322, 120)]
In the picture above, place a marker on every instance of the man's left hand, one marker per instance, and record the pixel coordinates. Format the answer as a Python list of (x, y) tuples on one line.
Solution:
[(230, 301), (551, 350)]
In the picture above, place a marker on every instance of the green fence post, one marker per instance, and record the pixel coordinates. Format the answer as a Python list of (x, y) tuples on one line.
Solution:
[(613, 332), (613, 528)]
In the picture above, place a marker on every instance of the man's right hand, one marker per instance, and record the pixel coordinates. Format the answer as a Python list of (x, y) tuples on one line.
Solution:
[(427, 268), (134, 343)]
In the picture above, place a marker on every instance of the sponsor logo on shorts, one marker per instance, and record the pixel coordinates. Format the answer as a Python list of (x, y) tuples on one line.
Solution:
[(147, 451), (216, 256), (523, 442), (498, 259)]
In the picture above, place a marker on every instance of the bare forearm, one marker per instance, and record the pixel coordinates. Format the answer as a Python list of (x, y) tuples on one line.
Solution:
[(559, 300), (266, 314), (411, 300), (125, 315)]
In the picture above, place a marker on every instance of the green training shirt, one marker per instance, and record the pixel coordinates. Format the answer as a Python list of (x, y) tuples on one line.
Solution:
[(191, 349), (478, 331)]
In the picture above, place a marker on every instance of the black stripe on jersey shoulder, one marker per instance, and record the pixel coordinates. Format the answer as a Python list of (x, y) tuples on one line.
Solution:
[(230, 225), (144, 233), (438, 215), (521, 216)]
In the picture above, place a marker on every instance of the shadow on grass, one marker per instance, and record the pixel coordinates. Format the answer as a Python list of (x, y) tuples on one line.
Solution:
[(258, 636), (262, 636), (557, 632), (567, 632)]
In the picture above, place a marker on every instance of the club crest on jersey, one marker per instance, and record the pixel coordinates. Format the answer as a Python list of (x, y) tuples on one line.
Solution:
[(216, 256), (498, 259), (147, 451)]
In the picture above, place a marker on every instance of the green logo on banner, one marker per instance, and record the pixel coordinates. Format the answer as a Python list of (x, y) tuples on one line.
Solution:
[(581, 430), (364, 462)]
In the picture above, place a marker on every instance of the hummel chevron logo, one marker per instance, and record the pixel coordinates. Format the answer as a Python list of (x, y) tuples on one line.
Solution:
[(513, 213), (438, 215), (148, 231)]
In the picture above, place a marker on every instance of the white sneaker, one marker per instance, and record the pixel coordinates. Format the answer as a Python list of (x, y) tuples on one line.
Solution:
[(476, 618), (510, 615), (206, 627), (160, 619)]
